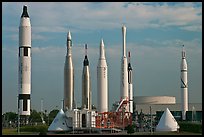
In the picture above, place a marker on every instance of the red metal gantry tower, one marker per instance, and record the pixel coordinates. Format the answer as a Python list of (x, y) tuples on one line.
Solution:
[(118, 119)]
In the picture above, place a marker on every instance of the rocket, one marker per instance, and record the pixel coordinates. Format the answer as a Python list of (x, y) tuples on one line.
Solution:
[(130, 88), (124, 69), (24, 71), (184, 85), (68, 76), (86, 83), (102, 80)]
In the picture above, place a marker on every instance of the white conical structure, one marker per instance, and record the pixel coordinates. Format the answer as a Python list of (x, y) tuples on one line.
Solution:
[(167, 122), (59, 123)]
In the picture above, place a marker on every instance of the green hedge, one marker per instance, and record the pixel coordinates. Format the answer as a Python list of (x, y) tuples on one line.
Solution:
[(190, 127), (38, 128)]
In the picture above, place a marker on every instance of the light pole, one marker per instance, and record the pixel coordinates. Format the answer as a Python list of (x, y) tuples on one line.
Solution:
[(18, 115), (123, 118), (151, 119), (193, 112)]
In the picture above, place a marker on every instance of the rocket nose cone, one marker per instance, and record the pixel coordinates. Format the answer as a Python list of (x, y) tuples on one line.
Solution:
[(69, 35), (86, 61), (123, 28), (129, 66), (102, 44), (25, 13)]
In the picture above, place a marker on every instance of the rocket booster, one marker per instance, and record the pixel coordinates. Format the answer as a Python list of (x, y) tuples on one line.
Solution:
[(184, 85), (102, 80), (124, 67), (24, 81), (86, 83), (68, 76), (130, 87)]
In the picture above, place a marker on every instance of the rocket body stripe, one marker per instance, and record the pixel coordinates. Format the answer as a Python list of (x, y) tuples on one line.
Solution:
[(184, 85), (24, 71), (68, 77), (124, 68), (102, 81)]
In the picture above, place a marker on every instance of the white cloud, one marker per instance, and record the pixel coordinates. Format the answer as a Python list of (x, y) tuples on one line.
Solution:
[(56, 17), (193, 28), (48, 50)]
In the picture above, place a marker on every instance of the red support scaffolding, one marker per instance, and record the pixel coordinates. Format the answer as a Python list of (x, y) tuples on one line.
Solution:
[(119, 119)]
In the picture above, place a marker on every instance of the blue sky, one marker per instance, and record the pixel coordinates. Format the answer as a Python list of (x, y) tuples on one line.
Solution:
[(155, 33)]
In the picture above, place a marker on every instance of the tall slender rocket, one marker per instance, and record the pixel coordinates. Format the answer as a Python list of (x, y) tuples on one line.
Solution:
[(124, 67), (130, 88), (86, 83), (102, 80), (24, 81), (184, 85), (68, 76)]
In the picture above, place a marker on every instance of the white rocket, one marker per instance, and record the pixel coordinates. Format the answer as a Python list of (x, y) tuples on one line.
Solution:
[(184, 85), (124, 69), (68, 76), (102, 80), (130, 88), (86, 83), (24, 81)]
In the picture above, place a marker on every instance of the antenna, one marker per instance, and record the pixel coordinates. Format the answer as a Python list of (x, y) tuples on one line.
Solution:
[(42, 111), (129, 56), (123, 20), (183, 52), (85, 49)]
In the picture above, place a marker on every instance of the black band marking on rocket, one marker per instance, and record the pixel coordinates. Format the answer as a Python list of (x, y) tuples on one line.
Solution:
[(23, 47), (70, 41), (25, 51), (185, 86), (183, 70), (24, 97)]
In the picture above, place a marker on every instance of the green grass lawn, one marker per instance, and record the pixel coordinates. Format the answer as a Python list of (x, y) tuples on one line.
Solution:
[(13, 131), (166, 133)]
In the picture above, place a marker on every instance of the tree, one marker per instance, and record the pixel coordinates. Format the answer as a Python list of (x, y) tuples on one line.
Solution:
[(9, 119), (52, 115), (10, 116), (130, 129), (35, 116)]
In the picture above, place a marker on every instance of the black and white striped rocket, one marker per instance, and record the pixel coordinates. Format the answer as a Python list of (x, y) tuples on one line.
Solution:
[(86, 83), (68, 76), (24, 81), (184, 85), (130, 87)]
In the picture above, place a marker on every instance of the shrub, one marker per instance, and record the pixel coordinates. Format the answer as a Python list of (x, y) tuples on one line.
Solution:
[(38, 128), (190, 127), (130, 129)]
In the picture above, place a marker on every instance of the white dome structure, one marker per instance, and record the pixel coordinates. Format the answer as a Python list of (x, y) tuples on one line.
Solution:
[(167, 122), (59, 123)]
